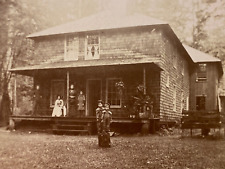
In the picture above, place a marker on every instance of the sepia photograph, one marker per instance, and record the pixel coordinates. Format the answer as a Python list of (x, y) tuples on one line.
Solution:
[(112, 84)]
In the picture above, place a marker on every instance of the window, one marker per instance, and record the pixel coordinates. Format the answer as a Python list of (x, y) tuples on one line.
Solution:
[(71, 48), (174, 98), (182, 101), (113, 95), (200, 102), (174, 61), (182, 67), (187, 103), (57, 88), (201, 72), (92, 50), (168, 81)]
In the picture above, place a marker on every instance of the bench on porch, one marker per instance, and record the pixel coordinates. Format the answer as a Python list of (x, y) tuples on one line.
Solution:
[(204, 120)]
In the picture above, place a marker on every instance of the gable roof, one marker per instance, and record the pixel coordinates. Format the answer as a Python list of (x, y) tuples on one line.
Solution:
[(100, 21), (200, 57)]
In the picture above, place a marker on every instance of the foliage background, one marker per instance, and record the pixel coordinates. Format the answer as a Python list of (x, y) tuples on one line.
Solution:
[(198, 23)]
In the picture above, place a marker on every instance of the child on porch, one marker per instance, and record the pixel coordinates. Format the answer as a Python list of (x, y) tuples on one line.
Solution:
[(81, 104)]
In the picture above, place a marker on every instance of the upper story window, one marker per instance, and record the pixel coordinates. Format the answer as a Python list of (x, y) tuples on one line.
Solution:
[(93, 47), (71, 48), (201, 72)]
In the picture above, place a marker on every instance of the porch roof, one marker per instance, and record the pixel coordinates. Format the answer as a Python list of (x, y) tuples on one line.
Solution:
[(28, 70)]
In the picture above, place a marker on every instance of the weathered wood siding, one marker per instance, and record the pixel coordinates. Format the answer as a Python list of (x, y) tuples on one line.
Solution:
[(48, 49), (209, 88), (178, 75), (130, 43), (125, 43)]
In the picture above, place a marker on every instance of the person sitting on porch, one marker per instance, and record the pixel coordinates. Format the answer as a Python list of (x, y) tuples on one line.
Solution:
[(58, 108)]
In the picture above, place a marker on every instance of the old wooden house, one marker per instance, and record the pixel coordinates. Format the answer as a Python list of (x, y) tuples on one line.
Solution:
[(114, 59), (205, 102), (204, 80)]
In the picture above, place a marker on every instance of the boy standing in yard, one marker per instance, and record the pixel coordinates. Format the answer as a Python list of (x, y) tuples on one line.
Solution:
[(103, 116), (107, 118), (99, 116)]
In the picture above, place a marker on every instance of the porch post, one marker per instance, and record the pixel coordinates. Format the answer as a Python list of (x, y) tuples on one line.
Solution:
[(144, 84), (144, 79), (67, 91), (15, 95), (34, 91)]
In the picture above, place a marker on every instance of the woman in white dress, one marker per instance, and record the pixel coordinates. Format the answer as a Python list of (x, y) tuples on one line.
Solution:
[(58, 108)]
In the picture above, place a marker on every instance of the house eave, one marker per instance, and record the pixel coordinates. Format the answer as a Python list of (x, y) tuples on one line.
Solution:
[(34, 36), (29, 70)]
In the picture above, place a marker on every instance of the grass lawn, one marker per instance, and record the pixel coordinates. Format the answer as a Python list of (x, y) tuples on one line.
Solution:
[(38, 150)]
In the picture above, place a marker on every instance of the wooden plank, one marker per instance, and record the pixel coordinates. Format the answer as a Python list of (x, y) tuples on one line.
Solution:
[(66, 130), (32, 118), (67, 91), (201, 125), (201, 119)]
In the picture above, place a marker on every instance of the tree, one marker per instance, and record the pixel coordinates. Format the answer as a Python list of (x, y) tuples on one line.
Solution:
[(18, 19), (10, 49)]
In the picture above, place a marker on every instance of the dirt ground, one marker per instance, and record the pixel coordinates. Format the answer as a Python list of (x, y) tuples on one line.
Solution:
[(29, 150)]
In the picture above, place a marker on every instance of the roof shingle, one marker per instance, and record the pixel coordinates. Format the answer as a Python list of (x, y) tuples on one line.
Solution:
[(100, 21), (198, 56)]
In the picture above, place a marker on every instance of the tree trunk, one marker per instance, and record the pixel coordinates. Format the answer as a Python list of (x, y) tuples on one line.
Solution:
[(5, 110)]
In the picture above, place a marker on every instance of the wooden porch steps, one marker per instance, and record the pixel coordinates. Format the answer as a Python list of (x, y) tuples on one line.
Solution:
[(70, 127), (66, 131)]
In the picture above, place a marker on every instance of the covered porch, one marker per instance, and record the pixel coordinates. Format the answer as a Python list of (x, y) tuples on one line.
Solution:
[(116, 83)]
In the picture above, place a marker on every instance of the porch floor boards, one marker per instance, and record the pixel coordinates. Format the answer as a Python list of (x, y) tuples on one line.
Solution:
[(79, 125), (81, 119), (69, 131)]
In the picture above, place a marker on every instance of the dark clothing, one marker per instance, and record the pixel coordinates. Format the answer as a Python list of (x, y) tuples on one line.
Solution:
[(107, 117), (103, 118), (99, 119)]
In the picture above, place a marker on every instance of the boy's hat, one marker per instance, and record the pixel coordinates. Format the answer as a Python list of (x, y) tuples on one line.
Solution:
[(100, 101)]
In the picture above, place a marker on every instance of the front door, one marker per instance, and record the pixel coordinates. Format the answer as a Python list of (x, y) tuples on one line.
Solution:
[(94, 92)]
